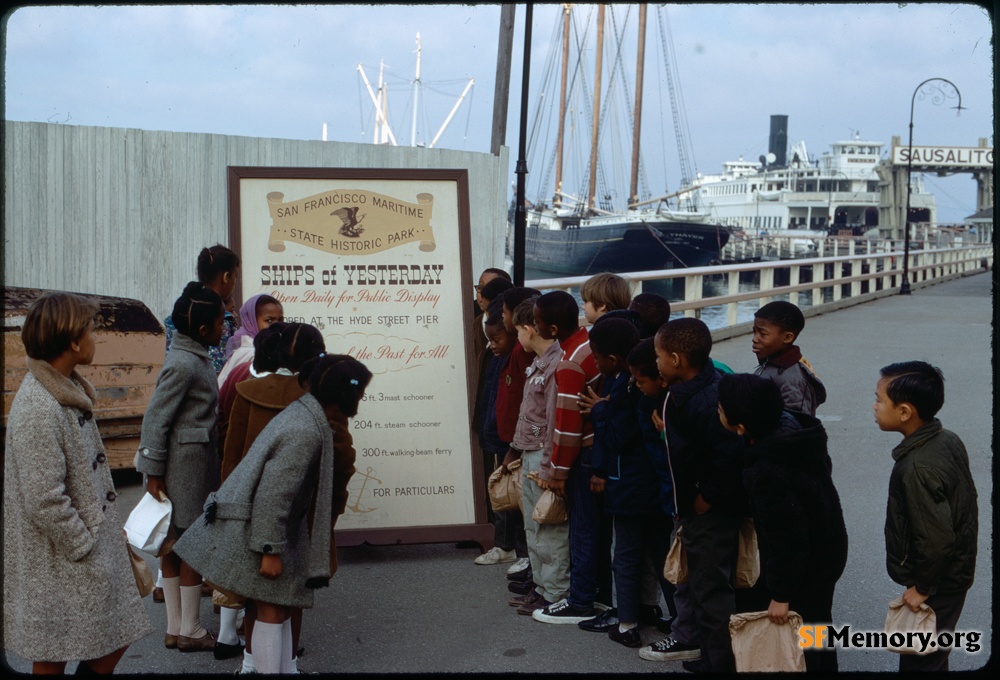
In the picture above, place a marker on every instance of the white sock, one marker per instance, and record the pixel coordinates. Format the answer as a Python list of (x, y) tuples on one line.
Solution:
[(295, 666), (267, 647), (191, 612), (172, 602), (248, 665), (622, 627), (227, 626), (287, 652), (159, 578)]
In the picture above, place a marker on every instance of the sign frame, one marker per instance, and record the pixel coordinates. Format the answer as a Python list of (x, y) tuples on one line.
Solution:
[(319, 179)]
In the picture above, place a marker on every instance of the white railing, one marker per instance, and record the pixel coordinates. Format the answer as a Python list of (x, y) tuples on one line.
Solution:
[(832, 282)]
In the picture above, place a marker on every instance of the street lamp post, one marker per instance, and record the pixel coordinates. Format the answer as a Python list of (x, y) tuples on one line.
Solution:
[(934, 88)]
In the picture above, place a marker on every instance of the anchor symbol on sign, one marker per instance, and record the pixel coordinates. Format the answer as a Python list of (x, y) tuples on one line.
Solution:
[(357, 507)]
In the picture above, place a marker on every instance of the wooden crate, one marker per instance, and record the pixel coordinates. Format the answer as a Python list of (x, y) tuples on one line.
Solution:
[(130, 350)]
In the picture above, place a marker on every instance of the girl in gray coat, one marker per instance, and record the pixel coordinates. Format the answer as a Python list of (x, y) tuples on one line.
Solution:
[(267, 533), (69, 592), (178, 452)]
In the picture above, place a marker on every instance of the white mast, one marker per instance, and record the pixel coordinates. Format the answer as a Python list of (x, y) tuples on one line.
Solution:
[(416, 97)]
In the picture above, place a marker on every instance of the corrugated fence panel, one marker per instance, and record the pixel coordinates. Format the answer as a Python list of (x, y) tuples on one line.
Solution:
[(124, 212)]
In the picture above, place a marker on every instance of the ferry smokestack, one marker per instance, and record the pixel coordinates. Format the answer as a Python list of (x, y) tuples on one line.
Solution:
[(778, 143)]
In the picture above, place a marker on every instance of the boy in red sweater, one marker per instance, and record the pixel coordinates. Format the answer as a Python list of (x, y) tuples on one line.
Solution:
[(569, 472)]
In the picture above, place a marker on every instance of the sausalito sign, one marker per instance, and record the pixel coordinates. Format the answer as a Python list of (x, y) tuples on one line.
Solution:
[(379, 261), (944, 156)]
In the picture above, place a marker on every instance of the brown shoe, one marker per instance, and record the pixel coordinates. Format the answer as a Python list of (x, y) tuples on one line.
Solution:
[(206, 590), (206, 643), (519, 600), (170, 641), (158, 595), (527, 609)]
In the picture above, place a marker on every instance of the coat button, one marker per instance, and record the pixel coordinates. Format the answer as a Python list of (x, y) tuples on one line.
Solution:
[(112, 496), (101, 458), (267, 549)]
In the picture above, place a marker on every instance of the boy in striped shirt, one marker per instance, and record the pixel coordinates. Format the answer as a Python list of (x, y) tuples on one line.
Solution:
[(568, 474)]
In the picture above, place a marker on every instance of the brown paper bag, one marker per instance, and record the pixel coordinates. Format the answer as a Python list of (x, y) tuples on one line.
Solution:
[(901, 619), (225, 598), (748, 557), (550, 509), (143, 576), (505, 488), (762, 646), (675, 568)]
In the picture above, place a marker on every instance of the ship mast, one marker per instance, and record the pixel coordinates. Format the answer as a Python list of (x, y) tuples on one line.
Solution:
[(633, 191), (592, 184), (557, 199)]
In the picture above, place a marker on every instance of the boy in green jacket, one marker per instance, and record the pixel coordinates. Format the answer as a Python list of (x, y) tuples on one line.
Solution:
[(932, 519)]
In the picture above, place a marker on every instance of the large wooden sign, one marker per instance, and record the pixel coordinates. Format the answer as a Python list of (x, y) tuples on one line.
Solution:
[(379, 261)]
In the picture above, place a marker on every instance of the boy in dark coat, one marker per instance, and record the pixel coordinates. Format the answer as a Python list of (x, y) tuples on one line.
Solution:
[(932, 518), (796, 508), (776, 327), (705, 464), (624, 474)]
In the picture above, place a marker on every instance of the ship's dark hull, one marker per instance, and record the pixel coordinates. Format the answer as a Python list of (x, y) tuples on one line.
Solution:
[(623, 247)]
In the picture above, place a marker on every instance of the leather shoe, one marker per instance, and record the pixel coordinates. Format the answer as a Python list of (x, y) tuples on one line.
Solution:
[(170, 641), (205, 643), (695, 666), (520, 587), (629, 638), (223, 651), (158, 595), (601, 623)]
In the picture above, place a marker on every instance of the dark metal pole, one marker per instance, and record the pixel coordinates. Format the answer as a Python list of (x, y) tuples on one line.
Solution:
[(904, 288), (521, 169)]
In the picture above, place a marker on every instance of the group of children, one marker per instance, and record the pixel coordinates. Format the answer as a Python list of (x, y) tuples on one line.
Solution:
[(650, 441), (252, 447)]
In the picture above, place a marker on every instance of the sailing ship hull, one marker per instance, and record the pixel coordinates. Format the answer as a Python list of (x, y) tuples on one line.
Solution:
[(623, 247)]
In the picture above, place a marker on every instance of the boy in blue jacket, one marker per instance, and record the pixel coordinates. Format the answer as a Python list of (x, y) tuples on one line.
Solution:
[(624, 474)]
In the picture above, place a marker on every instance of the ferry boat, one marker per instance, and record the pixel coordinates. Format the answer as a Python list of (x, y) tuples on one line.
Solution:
[(792, 194)]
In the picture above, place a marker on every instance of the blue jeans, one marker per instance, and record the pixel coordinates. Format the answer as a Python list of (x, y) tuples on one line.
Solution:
[(639, 538), (590, 531)]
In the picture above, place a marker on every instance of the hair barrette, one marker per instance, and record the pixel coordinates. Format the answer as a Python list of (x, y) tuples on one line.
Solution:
[(321, 355), (354, 381)]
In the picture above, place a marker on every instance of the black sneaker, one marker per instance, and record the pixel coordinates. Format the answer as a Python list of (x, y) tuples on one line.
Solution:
[(601, 623), (563, 612), (520, 587), (669, 649), (630, 638)]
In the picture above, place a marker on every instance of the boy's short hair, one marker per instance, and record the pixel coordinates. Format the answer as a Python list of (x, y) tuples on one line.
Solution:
[(784, 315), (642, 359), (512, 297), (687, 336), (496, 271), (524, 313), (614, 337), (559, 309), (625, 314), (653, 311), (751, 401), (494, 312), (494, 288), (55, 320), (608, 290), (917, 383)]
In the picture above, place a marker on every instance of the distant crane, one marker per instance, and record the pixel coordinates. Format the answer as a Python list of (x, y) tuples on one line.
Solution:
[(383, 131)]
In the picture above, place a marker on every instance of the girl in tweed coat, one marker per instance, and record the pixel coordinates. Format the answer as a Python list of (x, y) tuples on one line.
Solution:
[(178, 451), (266, 534), (69, 592)]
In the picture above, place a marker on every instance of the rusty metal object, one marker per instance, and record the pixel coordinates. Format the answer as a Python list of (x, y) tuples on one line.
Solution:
[(129, 355)]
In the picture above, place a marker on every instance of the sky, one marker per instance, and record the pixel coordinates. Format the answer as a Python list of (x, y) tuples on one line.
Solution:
[(836, 70)]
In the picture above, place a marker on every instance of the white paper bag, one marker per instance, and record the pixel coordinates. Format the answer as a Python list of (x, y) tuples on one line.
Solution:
[(148, 523), (901, 619)]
